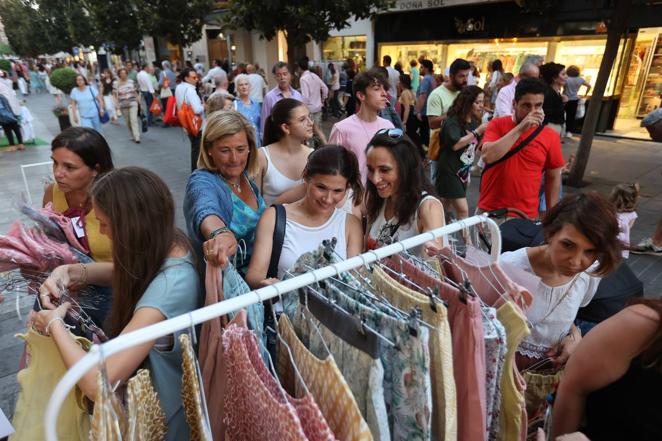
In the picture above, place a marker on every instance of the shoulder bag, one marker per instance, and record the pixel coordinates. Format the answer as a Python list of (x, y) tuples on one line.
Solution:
[(104, 118), (512, 152), (277, 242), (6, 114)]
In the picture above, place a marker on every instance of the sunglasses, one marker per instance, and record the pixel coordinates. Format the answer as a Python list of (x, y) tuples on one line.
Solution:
[(393, 133)]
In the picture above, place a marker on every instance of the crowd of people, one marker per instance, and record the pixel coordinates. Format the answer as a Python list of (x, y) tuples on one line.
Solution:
[(399, 164)]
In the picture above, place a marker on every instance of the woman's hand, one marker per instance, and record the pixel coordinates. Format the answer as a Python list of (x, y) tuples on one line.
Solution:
[(561, 352), (432, 248), (219, 249), (481, 128), (43, 318), (52, 286)]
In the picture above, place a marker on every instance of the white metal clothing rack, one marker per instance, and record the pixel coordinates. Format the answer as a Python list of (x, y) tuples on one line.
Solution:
[(185, 321)]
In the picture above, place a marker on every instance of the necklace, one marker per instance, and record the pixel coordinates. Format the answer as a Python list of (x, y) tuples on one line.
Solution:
[(236, 187)]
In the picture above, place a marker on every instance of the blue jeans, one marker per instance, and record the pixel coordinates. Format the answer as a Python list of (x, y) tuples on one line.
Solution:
[(93, 123), (148, 97)]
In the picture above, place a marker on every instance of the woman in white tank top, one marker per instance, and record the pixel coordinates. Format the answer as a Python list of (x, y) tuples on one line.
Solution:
[(282, 160), (330, 172), (399, 200)]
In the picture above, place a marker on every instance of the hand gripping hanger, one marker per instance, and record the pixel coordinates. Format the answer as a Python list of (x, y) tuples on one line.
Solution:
[(152, 332)]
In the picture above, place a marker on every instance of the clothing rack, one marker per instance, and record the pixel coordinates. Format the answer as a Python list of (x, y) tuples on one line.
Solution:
[(98, 352)]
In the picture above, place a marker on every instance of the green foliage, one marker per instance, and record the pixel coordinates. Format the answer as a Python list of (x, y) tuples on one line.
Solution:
[(5, 65), (180, 21), (302, 20), (119, 22), (5, 49), (64, 78)]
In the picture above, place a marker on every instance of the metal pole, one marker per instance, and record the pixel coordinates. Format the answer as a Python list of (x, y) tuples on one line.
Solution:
[(166, 327)]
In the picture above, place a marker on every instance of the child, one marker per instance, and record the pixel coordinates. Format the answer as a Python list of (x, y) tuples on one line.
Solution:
[(625, 198)]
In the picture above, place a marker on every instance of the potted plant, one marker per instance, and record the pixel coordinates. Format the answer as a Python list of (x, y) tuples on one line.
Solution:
[(64, 78), (5, 65), (62, 114)]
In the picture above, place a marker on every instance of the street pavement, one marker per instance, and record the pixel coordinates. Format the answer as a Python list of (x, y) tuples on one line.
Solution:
[(166, 152)]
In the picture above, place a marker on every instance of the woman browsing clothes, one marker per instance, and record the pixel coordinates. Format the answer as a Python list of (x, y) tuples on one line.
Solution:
[(153, 268), (399, 201), (222, 204)]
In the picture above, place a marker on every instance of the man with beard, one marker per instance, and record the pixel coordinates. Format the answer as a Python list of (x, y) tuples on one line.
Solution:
[(441, 99), (518, 150)]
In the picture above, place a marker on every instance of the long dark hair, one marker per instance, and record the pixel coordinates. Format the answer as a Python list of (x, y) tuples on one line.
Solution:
[(87, 143), (141, 214), (594, 216), (333, 159), (462, 106), (281, 113), (411, 179)]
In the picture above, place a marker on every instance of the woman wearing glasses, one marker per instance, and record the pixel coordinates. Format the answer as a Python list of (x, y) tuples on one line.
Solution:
[(399, 200), (282, 160)]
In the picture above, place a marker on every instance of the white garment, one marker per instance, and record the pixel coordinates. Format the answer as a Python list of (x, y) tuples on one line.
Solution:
[(22, 86), (554, 308), (381, 229), (274, 183), (624, 219), (258, 87), (185, 92), (145, 82), (109, 106), (26, 124), (216, 70), (300, 239), (8, 92), (504, 101), (393, 80)]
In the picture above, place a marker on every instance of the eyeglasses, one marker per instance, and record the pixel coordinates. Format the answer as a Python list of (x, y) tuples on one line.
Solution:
[(393, 133)]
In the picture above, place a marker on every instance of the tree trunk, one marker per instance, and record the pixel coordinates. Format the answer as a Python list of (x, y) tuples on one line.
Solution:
[(615, 30), (295, 49)]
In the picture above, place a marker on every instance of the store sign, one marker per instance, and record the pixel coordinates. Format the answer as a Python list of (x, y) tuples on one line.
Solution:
[(470, 25), (415, 5)]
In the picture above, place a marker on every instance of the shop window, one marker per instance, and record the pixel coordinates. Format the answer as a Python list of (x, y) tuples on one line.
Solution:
[(404, 53), (342, 48), (511, 52)]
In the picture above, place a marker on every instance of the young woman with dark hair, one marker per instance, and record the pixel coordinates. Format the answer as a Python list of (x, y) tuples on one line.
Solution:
[(152, 268), (554, 75), (282, 159), (407, 99), (399, 201), (460, 138), (581, 246), (330, 172), (80, 155), (612, 381)]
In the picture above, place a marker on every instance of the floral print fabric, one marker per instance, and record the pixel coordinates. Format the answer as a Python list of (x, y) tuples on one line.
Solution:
[(495, 358)]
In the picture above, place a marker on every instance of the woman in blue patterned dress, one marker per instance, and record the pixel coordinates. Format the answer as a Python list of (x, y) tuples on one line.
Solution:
[(222, 203), (246, 106)]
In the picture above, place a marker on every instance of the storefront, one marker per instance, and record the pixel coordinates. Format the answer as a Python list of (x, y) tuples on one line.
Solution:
[(482, 33), (346, 47)]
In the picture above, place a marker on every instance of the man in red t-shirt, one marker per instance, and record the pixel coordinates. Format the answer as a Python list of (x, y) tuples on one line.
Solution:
[(515, 182)]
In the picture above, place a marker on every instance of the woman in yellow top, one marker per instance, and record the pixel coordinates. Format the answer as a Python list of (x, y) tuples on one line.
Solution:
[(79, 156)]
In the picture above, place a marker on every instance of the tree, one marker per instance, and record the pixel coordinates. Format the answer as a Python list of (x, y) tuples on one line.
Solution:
[(28, 29), (301, 20), (616, 27), (118, 22), (180, 21)]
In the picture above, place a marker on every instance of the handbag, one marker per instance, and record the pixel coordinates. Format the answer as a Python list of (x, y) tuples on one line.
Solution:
[(188, 119), (434, 149), (6, 115), (170, 115), (155, 108), (103, 118), (277, 241)]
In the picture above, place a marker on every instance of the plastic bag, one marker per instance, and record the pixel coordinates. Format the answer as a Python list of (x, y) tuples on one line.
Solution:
[(581, 109), (155, 108)]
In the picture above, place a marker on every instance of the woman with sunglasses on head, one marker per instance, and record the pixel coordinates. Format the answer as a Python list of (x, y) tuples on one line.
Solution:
[(282, 159), (399, 200), (330, 172)]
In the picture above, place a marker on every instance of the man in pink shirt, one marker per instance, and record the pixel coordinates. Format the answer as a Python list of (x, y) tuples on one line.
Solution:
[(356, 131), (314, 93)]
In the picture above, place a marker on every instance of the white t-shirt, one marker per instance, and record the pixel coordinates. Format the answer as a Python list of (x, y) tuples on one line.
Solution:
[(393, 80), (300, 239), (553, 309), (258, 86)]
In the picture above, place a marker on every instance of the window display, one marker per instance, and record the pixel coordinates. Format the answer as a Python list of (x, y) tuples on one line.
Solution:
[(342, 48), (652, 92), (406, 52)]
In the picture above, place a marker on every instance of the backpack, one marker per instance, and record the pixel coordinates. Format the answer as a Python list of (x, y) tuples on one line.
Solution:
[(6, 115)]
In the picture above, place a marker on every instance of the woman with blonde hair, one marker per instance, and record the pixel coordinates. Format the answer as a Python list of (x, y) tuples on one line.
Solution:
[(222, 203)]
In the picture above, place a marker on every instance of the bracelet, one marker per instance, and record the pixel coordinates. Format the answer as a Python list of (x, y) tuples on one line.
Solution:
[(218, 231), (54, 319), (83, 278)]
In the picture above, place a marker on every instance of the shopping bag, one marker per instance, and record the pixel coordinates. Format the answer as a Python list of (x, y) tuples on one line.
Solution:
[(581, 109), (170, 116), (434, 149), (155, 108), (189, 120)]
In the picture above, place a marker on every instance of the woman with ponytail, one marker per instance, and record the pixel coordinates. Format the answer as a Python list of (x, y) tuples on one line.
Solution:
[(282, 160)]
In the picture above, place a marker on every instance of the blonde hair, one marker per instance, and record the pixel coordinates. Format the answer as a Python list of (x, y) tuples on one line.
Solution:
[(225, 123), (625, 197)]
